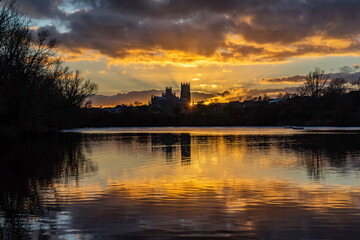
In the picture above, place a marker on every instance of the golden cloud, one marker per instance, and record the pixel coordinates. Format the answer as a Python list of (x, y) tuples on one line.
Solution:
[(234, 51)]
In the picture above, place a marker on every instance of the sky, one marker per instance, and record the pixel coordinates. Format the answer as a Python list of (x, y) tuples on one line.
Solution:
[(226, 49)]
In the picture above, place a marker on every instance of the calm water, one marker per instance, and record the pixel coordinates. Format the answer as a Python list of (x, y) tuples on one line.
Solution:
[(182, 183)]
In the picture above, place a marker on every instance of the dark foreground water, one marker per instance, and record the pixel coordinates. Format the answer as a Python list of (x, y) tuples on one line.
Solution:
[(182, 183)]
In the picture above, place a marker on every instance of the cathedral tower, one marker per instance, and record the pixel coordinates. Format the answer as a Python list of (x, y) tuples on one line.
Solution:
[(185, 92)]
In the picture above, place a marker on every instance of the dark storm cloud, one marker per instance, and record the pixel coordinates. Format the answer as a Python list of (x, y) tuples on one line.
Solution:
[(41, 8), (113, 34), (200, 27)]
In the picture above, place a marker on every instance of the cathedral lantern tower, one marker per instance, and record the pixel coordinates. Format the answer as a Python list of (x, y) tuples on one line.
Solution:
[(168, 91)]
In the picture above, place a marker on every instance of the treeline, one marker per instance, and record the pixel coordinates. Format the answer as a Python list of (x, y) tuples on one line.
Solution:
[(342, 110), (318, 102), (37, 92)]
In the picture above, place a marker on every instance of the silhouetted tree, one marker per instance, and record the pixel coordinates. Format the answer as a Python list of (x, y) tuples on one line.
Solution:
[(35, 87), (337, 86), (314, 84), (74, 88)]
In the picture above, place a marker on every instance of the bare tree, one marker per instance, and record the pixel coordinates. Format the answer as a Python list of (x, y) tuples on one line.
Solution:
[(34, 83), (75, 88), (314, 84), (337, 86)]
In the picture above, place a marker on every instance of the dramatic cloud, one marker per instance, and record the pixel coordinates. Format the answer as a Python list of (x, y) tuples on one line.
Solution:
[(41, 9), (348, 76), (346, 72), (232, 43), (204, 31), (224, 93), (291, 79)]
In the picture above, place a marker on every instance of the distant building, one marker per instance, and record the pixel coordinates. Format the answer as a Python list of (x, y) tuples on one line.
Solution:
[(169, 101), (185, 92)]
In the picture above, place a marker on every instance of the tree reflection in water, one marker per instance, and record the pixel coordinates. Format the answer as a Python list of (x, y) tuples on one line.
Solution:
[(28, 166), (315, 151)]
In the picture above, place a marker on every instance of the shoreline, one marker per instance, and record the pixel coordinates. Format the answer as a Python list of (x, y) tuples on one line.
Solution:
[(214, 129)]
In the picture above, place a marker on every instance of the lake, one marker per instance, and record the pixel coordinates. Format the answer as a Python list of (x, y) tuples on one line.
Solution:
[(182, 183)]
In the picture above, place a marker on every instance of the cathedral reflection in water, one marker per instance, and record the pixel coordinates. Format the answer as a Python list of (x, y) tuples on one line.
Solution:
[(170, 144)]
